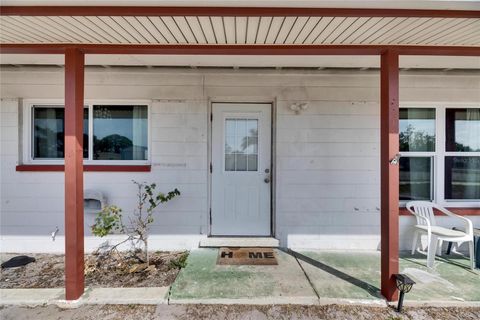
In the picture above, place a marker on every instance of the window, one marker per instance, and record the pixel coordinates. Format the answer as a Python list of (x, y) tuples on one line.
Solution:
[(446, 138), (241, 144), (120, 132), (417, 145), (462, 161), (48, 132), (111, 133)]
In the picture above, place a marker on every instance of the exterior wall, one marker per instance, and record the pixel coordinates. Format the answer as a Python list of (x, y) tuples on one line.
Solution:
[(327, 158)]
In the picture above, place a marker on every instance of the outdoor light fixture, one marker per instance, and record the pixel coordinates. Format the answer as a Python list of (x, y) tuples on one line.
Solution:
[(404, 285), (298, 107)]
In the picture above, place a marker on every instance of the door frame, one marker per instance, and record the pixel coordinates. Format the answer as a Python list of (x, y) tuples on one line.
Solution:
[(273, 110)]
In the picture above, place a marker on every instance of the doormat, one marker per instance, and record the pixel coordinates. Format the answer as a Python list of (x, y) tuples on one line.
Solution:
[(246, 256)]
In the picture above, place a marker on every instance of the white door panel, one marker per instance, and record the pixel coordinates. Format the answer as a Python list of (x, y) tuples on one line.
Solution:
[(241, 162)]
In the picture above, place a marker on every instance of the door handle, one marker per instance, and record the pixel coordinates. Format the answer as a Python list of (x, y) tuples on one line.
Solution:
[(267, 180)]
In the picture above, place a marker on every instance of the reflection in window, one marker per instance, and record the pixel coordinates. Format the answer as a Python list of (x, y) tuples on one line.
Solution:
[(120, 132), (462, 178), (241, 144), (49, 132), (463, 130), (415, 178), (417, 129)]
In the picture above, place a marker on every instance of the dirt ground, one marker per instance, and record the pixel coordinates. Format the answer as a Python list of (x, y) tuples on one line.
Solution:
[(230, 312), (118, 270)]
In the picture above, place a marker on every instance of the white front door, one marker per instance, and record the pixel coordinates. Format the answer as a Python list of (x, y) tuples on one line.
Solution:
[(241, 169)]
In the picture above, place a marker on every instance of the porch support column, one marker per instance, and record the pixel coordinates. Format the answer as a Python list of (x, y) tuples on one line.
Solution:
[(74, 237), (389, 172)]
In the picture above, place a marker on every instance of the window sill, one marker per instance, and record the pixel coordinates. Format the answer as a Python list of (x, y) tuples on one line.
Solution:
[(87, 167), (459, 211)]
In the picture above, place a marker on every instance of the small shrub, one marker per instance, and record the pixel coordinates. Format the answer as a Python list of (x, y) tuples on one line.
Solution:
[(180, 262)]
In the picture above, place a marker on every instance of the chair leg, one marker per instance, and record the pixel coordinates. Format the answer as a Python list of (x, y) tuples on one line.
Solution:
[(472, 254), (432, 248), (415, 242), (439, 247)]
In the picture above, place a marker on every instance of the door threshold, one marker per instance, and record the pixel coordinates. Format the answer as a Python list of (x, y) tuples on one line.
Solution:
[(237, 242)]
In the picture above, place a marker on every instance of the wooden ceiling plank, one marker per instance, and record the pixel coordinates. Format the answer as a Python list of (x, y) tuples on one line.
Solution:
[(263, 29), (286, 29), (357, 23), (380, 25), (35, 23), (185, 29), (80, 33), (369, 24), (25, 30), (114, 28), (162, 28), (273, 29), (426, 31), (196, 29), (89, 24), (153, 30), (417, 23), (241, 23), (208, 29), (314, 28), (253, 23), (218, 29), (454, 32), (396, 25), (340, 29)]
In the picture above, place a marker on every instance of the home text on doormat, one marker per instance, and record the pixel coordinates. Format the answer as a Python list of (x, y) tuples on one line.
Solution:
[(246, 256)]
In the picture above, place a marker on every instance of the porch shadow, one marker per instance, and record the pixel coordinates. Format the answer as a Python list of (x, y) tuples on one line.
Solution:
[(370, 289)]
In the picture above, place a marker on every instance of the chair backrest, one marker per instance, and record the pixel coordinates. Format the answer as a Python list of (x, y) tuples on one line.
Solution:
[(423, 209)]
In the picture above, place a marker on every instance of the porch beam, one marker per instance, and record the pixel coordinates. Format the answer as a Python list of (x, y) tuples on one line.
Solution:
[(389, 172), (292, 50), (230, 11), (74, 236)]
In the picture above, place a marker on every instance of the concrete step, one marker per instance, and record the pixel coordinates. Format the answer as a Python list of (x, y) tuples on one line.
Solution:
[(217, 242)]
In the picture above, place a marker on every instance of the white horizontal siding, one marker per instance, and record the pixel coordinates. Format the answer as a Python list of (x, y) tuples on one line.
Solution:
[(327, 157)]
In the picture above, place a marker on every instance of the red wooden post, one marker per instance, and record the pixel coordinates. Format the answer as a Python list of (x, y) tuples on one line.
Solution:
[(74, 86), (389, 172)]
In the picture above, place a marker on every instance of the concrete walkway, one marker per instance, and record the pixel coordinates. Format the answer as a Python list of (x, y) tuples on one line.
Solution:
[(306, 278)]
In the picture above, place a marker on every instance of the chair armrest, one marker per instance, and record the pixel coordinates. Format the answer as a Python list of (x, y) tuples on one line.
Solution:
[(468, 222)]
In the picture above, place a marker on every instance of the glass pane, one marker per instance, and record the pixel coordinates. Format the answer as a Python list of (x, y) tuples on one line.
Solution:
[(242, 142), (417, 129), (415, 178), (230, 162), (49, 133), (241, 162), (120, 132), (252, 162), (463, 129), (462, 178)]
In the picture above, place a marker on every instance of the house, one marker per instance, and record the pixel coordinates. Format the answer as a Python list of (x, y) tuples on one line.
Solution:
[(307, 123)]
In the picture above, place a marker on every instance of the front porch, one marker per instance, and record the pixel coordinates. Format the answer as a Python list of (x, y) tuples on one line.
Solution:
[(322, 277)]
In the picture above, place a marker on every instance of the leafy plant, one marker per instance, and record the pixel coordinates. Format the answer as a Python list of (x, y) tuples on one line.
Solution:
[(180, 262), (110, 219)]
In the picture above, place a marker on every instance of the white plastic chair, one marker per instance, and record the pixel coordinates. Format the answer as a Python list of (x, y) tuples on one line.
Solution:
[(423, 211)]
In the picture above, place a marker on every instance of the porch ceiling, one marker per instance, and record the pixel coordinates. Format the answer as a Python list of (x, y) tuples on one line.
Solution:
[(231, 29)]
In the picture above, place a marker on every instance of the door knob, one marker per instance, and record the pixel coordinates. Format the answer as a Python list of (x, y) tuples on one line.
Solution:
[(267, 180)]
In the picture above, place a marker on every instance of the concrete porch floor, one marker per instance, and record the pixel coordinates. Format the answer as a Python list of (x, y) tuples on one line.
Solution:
[(321, 277)]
